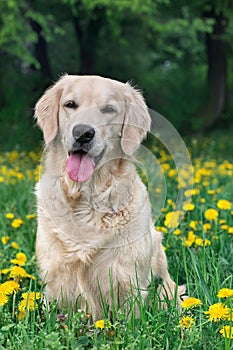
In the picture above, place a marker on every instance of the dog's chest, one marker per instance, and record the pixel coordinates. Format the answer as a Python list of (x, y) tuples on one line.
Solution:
[(102, 210), (85, 223)]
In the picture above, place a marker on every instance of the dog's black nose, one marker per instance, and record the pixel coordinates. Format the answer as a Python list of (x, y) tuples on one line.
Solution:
[(83, 133)]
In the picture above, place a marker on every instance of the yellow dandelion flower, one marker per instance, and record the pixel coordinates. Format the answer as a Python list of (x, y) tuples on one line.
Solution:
[(13, 156), (218, 312), (203, 200), (30, 216), (190, 303), (188, 206), (161, 229), (29, 301), (186, 322), (9, 287), (100, 324), (21, 256), (20, 259), (224, 227), (16, 223), (225, 293), (24, 304), (199, 241), (206, 242), (191, 239), (170, 202), (19, 176), (10, 216), (172, 219), (211, 192), (172, 172), (19, 272), (165, 166), (2, 179), (189, 193), (4, 271), (224, 204), (32, 295), (230, 230), (17, 262), (211, 214), (206, 227), (177, 231), (5, 239), (193, 224), (3, 299), (15, 245), (227, 331), (202, 242)]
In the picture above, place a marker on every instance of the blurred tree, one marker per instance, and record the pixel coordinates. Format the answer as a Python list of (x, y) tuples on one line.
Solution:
[(93, 17), (217, 47), (218, 16), (40, 49), (196, 25), (88, 23)]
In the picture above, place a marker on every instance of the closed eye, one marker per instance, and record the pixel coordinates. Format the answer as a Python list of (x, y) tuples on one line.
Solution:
[(71, 104), (108, 109)]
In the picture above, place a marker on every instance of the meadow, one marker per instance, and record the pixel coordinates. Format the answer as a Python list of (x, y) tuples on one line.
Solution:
[(199, 250)]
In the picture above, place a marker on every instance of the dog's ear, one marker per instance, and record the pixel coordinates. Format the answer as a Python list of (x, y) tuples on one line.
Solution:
[(136, 121), (47, 109)]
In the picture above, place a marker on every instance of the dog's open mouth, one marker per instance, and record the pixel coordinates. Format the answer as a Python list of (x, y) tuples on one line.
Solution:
[(80, 166)]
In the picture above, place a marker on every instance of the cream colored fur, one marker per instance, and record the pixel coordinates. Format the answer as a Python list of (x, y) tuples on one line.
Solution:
[(96, 235)]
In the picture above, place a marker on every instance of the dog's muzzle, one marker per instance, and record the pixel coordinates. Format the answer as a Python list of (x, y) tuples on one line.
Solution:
[(83, 138), (80, 165), (83, 133)]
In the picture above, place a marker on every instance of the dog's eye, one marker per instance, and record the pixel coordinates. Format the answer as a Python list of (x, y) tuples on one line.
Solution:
[(71, 104), (108, 109)]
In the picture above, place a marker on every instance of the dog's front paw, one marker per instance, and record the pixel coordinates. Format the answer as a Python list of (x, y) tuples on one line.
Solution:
[(181, 294), (169, 292)]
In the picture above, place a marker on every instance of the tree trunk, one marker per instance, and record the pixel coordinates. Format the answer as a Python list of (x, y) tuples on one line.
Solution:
[(1, 84), (87, 28), (87, 49), (41, 52), (217, 69)]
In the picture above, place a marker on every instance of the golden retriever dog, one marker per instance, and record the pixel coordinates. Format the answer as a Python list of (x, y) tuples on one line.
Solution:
[(95, 238)]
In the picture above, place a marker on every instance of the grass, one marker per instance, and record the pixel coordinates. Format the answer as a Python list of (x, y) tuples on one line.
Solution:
[(199, 251)]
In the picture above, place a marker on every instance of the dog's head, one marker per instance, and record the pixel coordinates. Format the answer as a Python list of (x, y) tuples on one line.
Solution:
[(92, 116)]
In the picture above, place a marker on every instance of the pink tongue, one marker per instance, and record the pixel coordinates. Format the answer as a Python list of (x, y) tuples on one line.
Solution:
[(80, 167)]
